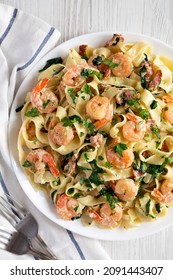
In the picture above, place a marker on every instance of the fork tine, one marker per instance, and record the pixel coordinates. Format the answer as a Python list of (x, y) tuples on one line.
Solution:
[(21, 209), (9, 202), (8, 214), (8, 217), (5, 236)]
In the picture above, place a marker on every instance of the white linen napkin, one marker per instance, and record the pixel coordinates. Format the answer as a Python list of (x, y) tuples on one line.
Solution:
[(25, 39)]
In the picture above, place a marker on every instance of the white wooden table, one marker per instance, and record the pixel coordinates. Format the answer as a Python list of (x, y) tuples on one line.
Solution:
[(76, 17)]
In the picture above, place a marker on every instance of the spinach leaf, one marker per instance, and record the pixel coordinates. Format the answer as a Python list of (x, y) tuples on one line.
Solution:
[(97, 61), (153, 104), (142, 74), (50, 62)]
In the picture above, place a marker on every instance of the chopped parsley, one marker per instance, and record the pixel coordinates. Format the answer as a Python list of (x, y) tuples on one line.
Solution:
[(144, 114), (81, 134), (110, 197), (46, 103), (72, 95), (56, 182), (32, 113), (89, 125), (95, 179), (87, 89), (134, 102), (156, 132), (155, 170), (108, 164), (100, 158), (119, 148), (69, 121), (29, 164)]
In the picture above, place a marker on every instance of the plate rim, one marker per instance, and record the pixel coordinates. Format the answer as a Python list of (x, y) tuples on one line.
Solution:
[(15, 163)]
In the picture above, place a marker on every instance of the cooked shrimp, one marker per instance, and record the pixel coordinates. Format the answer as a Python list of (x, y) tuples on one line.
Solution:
[(97, 107), (167, 113), (38, 160), (59, 134), (100, 109), (118, 161), (72, 76), (124, 65), (67, 207), (42, 98), (134, 129), (125, 189), (106, 216), (165, 194)]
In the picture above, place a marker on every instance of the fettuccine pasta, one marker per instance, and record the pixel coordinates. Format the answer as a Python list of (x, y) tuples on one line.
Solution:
[(97, 134)]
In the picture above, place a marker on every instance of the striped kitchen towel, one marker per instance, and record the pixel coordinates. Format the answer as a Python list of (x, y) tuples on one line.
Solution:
[(24, 40)]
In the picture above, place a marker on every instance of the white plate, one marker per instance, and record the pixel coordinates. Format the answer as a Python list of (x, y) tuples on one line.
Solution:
[(38, 198)]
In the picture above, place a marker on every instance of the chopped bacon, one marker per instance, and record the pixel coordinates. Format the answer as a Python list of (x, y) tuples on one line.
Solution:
[(114, 40), (82, 49), (150, 123), (97, 140), (69, 168), (137, 173), (102, 88), (165, 147), (112, 184), (156, 80), (126, 94), (105, 69)]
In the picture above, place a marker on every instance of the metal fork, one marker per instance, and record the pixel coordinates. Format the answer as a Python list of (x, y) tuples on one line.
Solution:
[(23, 222), (17, 243)]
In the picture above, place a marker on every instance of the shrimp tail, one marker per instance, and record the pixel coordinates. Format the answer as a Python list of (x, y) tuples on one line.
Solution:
[(41, 85), (49, 160), (160, 197), (99, 124)]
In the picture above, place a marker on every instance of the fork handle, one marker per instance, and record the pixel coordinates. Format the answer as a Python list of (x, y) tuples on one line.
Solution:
[(39, 241), (37, 238), (39, 254)]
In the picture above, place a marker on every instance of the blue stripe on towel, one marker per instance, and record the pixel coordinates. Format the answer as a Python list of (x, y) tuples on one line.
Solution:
[(9, 26), (3, 185), (76, 245), (43, 43)]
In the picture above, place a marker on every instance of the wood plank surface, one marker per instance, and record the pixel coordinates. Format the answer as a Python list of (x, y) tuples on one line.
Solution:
[(76, 17)]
